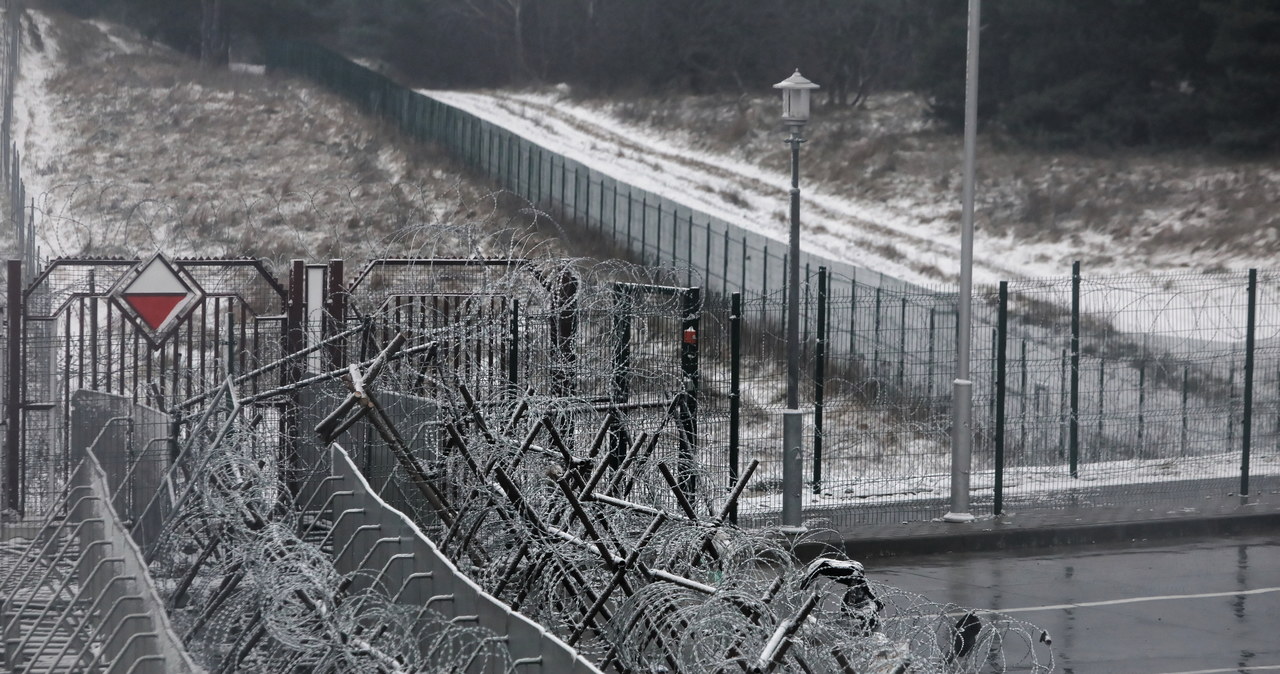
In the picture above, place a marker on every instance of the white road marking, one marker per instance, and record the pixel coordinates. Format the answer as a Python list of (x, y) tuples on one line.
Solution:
[(1136, 600), (1233, 670)]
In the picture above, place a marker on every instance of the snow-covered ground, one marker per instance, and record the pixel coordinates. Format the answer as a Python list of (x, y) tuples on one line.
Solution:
[(866, 481), (834, 226), (910, 229), (912, 236), (128, 148)]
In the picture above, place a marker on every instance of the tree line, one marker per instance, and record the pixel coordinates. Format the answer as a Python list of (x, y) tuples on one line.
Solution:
[(1055, 73)]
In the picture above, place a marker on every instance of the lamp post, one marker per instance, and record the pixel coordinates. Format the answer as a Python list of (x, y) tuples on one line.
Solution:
[(795, 114), (962, 387)]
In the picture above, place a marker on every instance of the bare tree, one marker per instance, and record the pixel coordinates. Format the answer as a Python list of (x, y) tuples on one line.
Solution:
[(503, 20), (215, 34)]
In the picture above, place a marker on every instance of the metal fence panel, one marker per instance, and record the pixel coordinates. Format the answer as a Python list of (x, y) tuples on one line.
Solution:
[(446, 586)]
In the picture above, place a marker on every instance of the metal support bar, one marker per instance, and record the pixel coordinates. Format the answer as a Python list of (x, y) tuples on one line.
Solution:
[(792, 467), (792, 418), (1246, 434), (1002, 382), (961, 457), (820, 377), (13, 390), (1073, 421), (735, 391)]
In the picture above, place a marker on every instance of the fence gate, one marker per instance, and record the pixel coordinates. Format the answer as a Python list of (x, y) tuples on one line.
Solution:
[(654, 327), (154, 331)]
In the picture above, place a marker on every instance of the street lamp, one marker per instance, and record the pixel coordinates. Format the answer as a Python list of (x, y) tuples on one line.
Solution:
[(795, 114), (962, 387)]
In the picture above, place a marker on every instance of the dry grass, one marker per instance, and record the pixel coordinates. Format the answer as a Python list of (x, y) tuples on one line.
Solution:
[(1184, 203), (158, 152)]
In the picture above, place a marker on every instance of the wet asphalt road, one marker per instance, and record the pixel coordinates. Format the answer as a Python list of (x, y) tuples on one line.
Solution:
[(1149, 622)]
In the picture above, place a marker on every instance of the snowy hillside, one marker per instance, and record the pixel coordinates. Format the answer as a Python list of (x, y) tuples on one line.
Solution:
[(881, 186), (129, 148)]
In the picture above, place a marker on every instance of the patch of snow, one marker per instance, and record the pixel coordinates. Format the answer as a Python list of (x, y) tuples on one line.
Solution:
[(900, 237), (858, 483), (37, 132), (113, 32)]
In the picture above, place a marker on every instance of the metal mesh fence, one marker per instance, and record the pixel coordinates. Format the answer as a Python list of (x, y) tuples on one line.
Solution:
[(1086, 390), (1089, 392), (1151, 383), (74, 334), (654, 230), (1147, 394), (1139, 399)]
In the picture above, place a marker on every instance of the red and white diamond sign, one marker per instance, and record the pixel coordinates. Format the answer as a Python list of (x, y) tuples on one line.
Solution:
[(157, 295)]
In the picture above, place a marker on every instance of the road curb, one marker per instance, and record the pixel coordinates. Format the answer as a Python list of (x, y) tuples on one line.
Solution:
[(989, 535)]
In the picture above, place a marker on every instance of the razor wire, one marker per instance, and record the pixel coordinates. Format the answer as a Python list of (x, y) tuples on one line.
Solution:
[(250, 582), (588, 516)]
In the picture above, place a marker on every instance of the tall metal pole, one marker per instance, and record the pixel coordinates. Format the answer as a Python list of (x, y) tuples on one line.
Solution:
[(962, 387), (792, 418), (13, 496)]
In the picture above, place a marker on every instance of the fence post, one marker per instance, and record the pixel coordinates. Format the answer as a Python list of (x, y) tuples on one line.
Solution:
[(1073, 423), (1102, 398), (336, 310), (929, 359), (621, 391), (528, 174), (706, 256), (875, 342), (735, 391), (1002, 339), (902, 346), (1231, 408), (691, 309), (644, 227), (13, 393), (808, 299), (1247, 430), (1142, 401), (1186, 375), (513, 349), (675, 234), (657, 239), (541, 196), (564, 331), (232, 349), (819, 378), (294, 338), (724, 261)]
